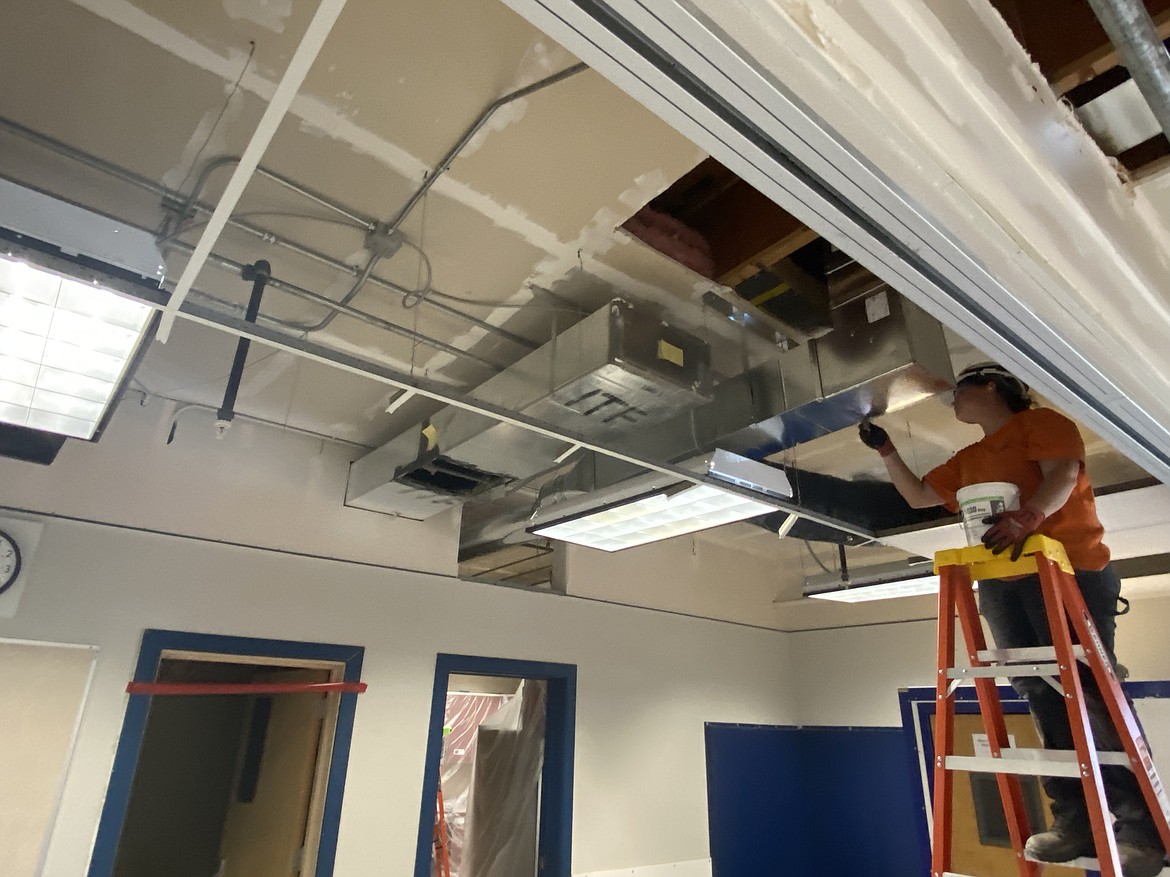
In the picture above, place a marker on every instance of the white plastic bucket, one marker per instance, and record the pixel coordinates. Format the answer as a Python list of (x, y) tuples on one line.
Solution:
[(977, 501)]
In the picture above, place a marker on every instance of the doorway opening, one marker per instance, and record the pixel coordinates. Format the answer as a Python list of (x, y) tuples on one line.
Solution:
[(231, 761), (497, 798)]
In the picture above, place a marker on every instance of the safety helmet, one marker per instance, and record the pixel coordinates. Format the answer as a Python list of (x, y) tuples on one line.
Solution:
[(1014, 391), (990, 370)]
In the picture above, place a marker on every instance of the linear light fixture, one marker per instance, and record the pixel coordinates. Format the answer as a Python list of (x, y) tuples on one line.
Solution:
[(65, 347), (67, 344), (883, 582), (627, 517)]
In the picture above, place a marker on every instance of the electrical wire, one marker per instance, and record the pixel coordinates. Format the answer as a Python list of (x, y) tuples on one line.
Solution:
[(415, 297), (530, 304), (204, 383), (410, 298), (819, 562), (291, 214), (185, 405), (227, 103), (424, 290)]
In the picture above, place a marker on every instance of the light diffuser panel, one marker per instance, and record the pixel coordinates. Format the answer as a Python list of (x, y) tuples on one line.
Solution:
[(885, 591), (64, 349), (652, 518)]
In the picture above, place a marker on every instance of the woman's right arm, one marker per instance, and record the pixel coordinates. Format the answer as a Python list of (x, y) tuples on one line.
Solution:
[(917, 493)]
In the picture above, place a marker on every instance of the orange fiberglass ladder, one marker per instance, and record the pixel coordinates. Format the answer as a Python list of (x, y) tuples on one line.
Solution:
[(1075, 638)]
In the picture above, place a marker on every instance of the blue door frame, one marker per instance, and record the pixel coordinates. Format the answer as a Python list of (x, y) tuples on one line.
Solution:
[(154, 643), (555, 832)]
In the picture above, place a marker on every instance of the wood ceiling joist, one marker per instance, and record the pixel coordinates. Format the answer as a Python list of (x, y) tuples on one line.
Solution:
[(1065, 39)]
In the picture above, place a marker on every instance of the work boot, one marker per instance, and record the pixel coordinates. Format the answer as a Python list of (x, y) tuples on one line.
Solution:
[(1063, 843), (1140, 861)]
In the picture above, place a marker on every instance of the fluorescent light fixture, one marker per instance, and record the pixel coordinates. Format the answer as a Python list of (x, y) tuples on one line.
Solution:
[(880, 582), (65, 348), (927, 584), (656, 506), (655, 517)]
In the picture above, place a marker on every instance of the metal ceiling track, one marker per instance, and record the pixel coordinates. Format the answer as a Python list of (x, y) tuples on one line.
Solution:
[(684, 69), (311, 42)]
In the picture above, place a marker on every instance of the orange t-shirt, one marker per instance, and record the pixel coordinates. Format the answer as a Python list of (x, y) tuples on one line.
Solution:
[(1011, 454)]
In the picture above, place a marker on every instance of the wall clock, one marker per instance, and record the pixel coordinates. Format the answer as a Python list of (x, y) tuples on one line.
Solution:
[(9, 561)]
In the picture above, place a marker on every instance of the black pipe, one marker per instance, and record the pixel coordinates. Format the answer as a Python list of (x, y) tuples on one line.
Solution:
[(258, 273)]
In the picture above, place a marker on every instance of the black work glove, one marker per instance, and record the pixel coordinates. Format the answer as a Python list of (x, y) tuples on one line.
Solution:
[(875, 437)]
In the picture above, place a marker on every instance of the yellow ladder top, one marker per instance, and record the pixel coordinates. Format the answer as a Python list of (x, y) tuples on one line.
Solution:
[(982, 564)]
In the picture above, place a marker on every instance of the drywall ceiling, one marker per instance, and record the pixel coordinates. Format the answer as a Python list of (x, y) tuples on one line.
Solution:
[(161, 88)]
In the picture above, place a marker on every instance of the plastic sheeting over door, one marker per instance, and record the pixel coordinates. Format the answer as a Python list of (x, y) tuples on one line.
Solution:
[(491, 769)]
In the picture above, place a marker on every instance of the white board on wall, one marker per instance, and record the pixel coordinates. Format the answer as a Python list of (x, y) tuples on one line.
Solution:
[(42, 693)]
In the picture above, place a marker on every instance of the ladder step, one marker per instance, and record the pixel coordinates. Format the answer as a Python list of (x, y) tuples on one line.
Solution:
[(1031, 762), (1037, 653), (1004, 671), (1084, 863)]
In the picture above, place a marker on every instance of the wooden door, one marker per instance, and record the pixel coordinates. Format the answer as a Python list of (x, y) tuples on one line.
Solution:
[(970, 855), (264, 833)]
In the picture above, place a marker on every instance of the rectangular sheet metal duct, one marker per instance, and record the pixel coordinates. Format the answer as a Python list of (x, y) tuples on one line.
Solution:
[(616, 371)]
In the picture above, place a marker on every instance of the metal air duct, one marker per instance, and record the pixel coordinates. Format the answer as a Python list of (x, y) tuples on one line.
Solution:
[(618, 370), (883, 355)]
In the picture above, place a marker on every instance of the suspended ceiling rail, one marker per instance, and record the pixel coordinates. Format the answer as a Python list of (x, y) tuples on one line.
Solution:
[(683, 68), (286, 91)]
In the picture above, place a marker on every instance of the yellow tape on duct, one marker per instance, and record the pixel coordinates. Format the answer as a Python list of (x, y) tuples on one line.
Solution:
[(770, 294), (670, 353), (431, 435)]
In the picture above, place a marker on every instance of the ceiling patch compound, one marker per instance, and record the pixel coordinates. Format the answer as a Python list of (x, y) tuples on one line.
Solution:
[(269, 14), (315, 112), (1039, 201)]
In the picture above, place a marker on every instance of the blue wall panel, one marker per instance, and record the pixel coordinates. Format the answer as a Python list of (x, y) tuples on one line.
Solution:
[(830, 802)]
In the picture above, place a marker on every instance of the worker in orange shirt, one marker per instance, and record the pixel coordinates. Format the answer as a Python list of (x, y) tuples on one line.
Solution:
[(1042, 453)]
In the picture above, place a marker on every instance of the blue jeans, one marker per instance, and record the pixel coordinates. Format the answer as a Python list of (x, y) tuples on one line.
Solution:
[(1015, 613)]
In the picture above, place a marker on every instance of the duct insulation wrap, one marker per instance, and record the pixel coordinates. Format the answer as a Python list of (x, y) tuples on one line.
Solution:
[(493, 754), (615, 372)]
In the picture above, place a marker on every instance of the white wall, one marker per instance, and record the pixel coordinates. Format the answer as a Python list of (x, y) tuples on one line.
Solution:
[(42, 691), (256, 486), (647, 681), (852, 676)]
